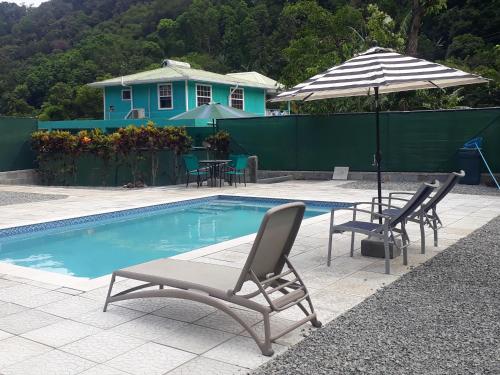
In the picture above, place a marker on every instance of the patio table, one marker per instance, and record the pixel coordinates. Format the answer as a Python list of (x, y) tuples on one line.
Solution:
[(214, 167)]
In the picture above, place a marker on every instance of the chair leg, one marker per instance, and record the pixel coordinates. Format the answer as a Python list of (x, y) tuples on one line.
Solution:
[(387, 255), (352, 244), (315, 322), (267, 348), (187, 179), (244, 178), (434, 227), (403, 237), (422, 234), (330, 250), (435, 235), (405, 242), (330, 242), (113, 277)]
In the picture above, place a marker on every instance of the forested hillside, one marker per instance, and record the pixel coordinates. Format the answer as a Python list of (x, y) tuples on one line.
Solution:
[(49, 53)]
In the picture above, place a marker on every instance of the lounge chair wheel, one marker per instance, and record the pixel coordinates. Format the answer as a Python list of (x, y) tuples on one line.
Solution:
[(316, 323), (267, 352)]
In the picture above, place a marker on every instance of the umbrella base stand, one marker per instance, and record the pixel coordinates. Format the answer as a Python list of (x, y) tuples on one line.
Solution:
[(371, 247)]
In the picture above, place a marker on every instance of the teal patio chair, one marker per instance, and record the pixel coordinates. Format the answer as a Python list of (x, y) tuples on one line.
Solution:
[(233, 158), (193, 169), (237, 168)]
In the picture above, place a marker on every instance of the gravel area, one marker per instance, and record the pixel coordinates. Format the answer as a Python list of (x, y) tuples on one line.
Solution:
[(441, 318), (14, 197), (412, 186)]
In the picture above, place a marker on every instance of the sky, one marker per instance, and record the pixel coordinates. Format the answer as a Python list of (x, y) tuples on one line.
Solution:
[(26, 2)]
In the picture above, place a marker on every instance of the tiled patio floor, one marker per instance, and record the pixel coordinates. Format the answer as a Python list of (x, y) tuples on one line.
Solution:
[(52, 329)]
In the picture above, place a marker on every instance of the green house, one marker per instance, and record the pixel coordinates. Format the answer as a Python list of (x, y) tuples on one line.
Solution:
[(176, 88)]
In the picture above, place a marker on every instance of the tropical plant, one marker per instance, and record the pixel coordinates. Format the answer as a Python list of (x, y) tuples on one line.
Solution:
[(219, 143), (58, 151), (131, 144), (179, 142), (103, 147), (48, 54), (56, 154)]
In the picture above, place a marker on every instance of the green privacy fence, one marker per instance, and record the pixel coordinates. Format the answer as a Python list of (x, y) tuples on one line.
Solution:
[(424, 141), (91, 171), (15, 152), (421, 141)]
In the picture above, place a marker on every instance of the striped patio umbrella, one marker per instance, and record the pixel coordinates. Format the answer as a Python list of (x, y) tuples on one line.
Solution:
[(378, 71)]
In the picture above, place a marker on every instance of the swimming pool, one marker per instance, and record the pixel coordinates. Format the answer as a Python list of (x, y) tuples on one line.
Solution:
[(92, 246)]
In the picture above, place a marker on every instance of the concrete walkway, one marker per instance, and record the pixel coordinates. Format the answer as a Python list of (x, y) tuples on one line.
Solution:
[(48, 328)]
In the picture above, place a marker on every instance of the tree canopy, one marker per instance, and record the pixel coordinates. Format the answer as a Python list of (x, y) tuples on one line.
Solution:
[(48, 54)]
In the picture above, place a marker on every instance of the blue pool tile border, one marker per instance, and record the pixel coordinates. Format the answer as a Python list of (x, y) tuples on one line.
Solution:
[(39, 227), (322, 204)]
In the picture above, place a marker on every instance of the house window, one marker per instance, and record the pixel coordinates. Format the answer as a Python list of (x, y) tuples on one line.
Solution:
[(165, 96), (203, 94), (126, 94), (237, 98)]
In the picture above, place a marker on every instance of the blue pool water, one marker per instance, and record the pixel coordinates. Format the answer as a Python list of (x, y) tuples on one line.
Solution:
[(95, 246)]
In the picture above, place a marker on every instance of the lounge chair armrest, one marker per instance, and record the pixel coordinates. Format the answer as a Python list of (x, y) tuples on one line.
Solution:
[(388, 205), (400, 193), (390, 198), (356, 210), (399, 199), (375, 204)]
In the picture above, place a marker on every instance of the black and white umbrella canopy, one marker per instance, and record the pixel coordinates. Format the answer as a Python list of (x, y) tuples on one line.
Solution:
[(378, 67), (378, 71)]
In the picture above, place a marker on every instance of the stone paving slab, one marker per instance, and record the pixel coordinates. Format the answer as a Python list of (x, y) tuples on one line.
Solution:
[(199, 339)]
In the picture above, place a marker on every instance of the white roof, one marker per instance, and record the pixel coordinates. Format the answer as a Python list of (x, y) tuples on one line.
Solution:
[(257, 77), (181, 72)]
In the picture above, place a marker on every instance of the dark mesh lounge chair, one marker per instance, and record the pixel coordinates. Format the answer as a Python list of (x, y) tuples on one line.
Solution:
[(428, 215), (392, 227), (215, 285)]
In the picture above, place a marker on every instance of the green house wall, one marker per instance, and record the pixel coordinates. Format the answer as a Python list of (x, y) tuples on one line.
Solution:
[(113, 98), (146, 96)]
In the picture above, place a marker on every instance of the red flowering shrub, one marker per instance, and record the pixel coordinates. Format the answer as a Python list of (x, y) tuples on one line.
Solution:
[(57, 151)]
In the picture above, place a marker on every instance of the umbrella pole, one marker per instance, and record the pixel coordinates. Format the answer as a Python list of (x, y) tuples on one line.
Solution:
[(378, 156)]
